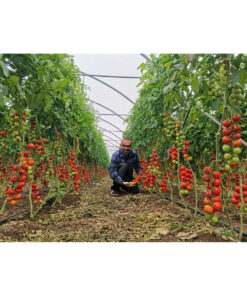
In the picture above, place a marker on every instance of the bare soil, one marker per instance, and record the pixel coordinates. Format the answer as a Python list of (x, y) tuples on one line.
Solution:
[(96, 216)]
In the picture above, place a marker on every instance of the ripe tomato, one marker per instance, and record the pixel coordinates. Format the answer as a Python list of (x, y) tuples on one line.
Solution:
[(237, 189), (217, 182), (216, 175), (217, 206), (216, 191), (237, 143), (226, 123), (208, 209), (234, 200), (236, 118), (217, 198), (237, 128), (13, 202), (26, 153), (236, 195), (237, 136), (239, 205), (226, 140), (31, 146), (226, 132)]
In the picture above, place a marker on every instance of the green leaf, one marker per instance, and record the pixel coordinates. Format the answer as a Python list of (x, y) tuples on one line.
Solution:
[(168, 65), (243, 76), (195, 85), (4, 68), (236, 77), (3, 90)]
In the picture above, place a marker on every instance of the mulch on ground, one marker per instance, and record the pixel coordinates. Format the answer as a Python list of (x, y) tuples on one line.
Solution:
[(96, 216)]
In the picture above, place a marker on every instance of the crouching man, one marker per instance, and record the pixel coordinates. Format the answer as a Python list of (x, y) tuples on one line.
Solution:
[(121, 168)]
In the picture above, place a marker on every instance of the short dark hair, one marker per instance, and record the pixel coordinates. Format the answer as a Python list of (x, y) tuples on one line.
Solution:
[(126, 139)]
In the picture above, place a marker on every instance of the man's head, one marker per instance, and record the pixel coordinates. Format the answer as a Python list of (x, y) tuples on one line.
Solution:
[(126, 146)]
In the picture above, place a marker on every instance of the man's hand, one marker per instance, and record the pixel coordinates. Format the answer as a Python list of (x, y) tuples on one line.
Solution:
[(127, 184)]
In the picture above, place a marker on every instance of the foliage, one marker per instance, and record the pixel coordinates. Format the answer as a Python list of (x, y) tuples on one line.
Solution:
[(179, 84), (49, 88)]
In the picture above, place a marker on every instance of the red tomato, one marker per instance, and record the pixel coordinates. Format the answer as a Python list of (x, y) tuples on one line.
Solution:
[(217, 206), (237, 189), (217, 182), (226, 140), (237, 136), (239, 205), (244, 186), (217, 191), (237, 143), (236, 118), (31, 146), (234, 201), (237, 128), (208, 209), (226, 123), (226, 132), (216, 175), (217, 198), (236, 195)]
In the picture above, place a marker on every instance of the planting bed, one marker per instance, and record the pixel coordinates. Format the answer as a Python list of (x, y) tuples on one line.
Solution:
[(96, 216)]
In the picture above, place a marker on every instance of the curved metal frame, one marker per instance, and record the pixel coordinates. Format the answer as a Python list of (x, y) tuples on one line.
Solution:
[(119, 92), (111, 133), (106, 108), (111, 138), (111, 76), (111, 124), (145, 57)]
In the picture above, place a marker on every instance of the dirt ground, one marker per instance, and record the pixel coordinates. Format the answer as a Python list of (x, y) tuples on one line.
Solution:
[(96, 216)]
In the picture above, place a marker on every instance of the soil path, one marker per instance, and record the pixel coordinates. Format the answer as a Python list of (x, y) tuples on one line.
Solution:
[(96, 216)]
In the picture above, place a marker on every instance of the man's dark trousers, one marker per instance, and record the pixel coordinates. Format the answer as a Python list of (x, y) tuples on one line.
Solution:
[(125, 171)]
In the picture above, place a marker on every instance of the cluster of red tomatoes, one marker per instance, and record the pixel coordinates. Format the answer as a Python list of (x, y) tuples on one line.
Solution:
[(236, 199), (186, 177), (163, 186), (232, 141), (75, 171), (18, 178), (212, 201), (3, 133), (173, 153), (35, 194)]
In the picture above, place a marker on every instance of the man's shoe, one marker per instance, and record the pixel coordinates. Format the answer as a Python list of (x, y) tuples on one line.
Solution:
[(115, 193)]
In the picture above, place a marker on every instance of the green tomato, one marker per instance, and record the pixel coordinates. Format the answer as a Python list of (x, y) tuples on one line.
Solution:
[(214, 219), (245, 210), (227, 167), (226, 148), (237, 150), (235, 159), (227, 156)]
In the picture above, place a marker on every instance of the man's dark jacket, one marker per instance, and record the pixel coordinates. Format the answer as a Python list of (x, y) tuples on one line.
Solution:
[(118, 157)]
